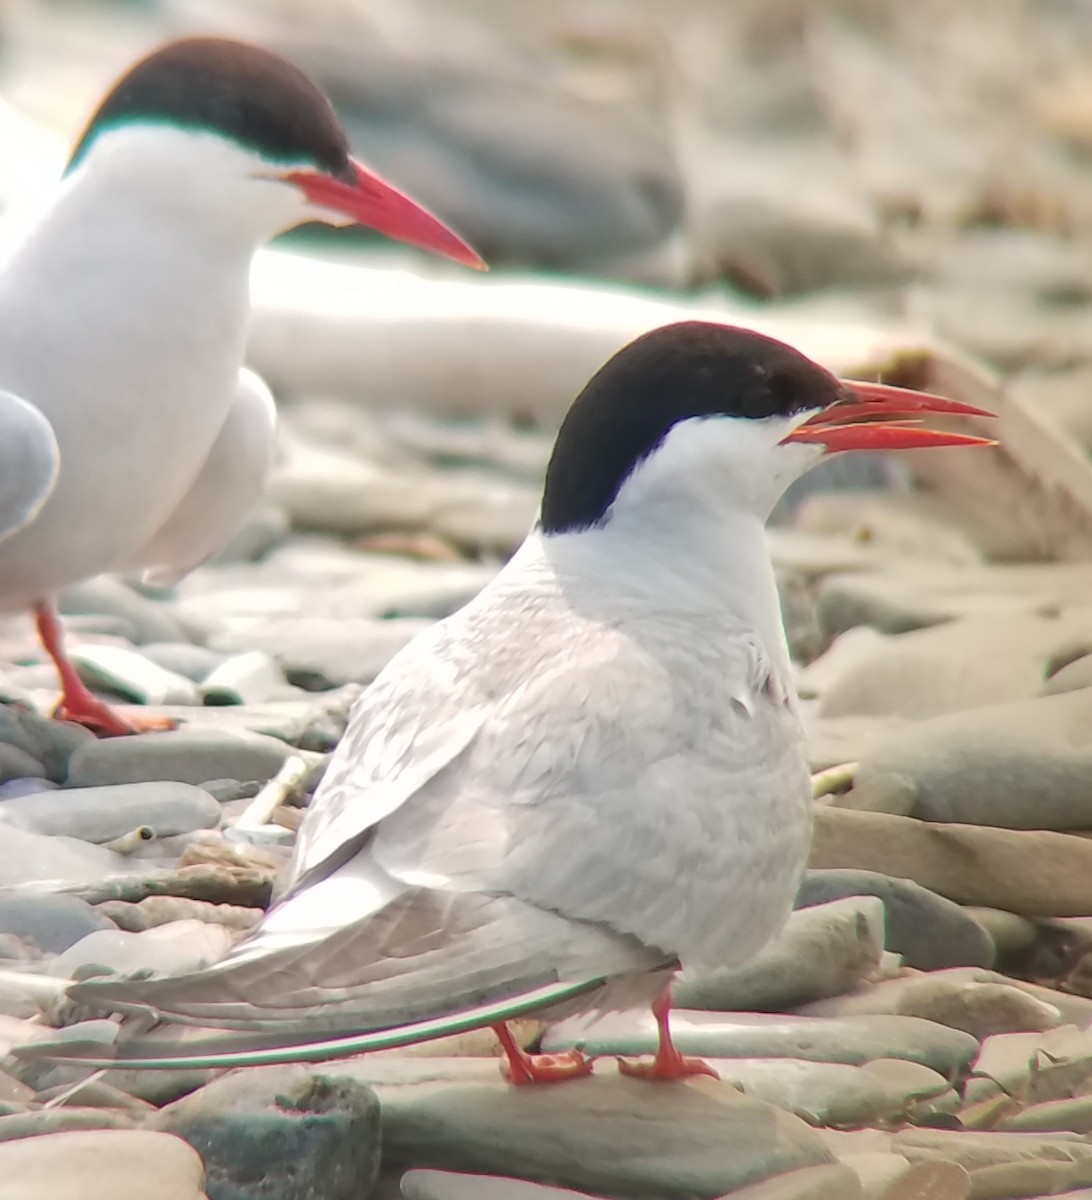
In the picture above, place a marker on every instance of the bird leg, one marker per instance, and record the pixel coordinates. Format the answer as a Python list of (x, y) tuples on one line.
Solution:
[(668, 1062), (77, 702), (523, 1069)]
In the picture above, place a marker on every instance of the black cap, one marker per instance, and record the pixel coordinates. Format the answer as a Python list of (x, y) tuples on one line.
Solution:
[(675, 373), (242, 92)]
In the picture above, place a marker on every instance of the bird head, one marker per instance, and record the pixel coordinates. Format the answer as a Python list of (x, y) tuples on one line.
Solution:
[(704, 415), (237, 134)]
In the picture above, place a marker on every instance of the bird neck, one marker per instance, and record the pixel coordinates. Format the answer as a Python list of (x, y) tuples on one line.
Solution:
[(714, 566)]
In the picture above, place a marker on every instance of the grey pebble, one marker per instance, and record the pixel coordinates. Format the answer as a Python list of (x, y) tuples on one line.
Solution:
[(248, 678), (49, 921), (183, 658), (188, 756), (52, 743), (14, 788), (149, 620), (762, 1035), (929, 931), (27, 857), (132, 675), (822, 951), (100, 814), (17, 764)]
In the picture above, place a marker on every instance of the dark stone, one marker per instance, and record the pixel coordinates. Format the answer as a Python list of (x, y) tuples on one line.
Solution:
[(929, 931)]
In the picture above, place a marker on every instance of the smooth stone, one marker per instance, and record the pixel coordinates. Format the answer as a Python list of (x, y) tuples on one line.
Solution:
[(607, 1134), (762, 1035), (183, 658), (148, 620), (35, 857), (131, 675), (819, 1093), (1041, 1066), (1073, 1114), (960, 665), (833, 1181), (936, 1180), (100, 814), (228, 882), (154, 911), (181, 946), (41, 1122), (96, 1093), (100, 1165), (185, 756), (281, 1132), (875, 1171), (13, 788), (905, 525), (318, 653), (456, 1185), (18, 764), (51, 743), (1014, 766), (246, 678), (1011, 934), (976, 1151), (929, 931), (49, 921), (980, 1008), (821, 951), (895, 600), (1031, 872), (905, 1083), (331, 491)]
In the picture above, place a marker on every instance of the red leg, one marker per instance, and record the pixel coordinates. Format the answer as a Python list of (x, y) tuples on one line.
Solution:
[(523, 1069), (668, 1063), (77, 703)]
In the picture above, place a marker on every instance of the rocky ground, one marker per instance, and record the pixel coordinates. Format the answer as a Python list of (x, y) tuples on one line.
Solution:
[(920, 1030)]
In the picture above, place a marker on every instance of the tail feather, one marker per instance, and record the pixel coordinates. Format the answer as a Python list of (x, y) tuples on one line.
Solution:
[(218, 1050)]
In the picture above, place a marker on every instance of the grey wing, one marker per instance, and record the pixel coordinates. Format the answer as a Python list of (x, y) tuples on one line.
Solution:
[(227, 488), (29, 462)]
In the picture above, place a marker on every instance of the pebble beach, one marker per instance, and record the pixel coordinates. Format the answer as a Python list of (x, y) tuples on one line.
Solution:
[(901, 194)]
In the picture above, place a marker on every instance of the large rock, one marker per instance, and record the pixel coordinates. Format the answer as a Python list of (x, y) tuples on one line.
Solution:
[(929, 931), (1034, 872), (184, 756), (281, 1133), (34, 857), (50, 922), (762, 1035), (1017, 766), (948, 668), (100, 1165), (822, 951), (100, 814), (608, 1134)]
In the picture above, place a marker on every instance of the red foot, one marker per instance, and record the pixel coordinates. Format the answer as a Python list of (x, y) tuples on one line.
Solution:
[(668, 1063), (662, 1067), (98, 716), (77, 702), (523, 1069)]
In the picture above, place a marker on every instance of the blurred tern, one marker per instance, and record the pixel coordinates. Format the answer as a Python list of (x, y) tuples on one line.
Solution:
[(138, 438), (591, 774)]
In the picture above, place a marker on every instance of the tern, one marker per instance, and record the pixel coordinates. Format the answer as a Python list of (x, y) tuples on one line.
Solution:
[(141, 440), (593, 773)]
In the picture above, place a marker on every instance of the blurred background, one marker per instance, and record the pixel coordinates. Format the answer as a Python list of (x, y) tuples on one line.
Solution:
[(920, 166)]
